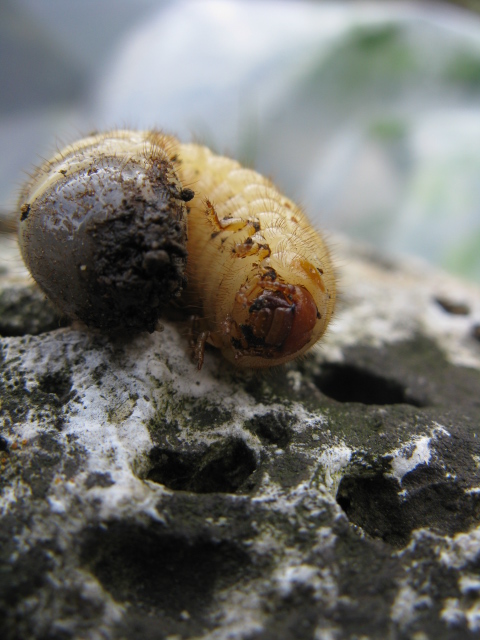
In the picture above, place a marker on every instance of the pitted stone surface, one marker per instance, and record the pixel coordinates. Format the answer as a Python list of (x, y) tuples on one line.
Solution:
[(335, 498)]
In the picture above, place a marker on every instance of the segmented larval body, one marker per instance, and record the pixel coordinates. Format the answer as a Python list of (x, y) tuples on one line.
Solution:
[(260, 278)]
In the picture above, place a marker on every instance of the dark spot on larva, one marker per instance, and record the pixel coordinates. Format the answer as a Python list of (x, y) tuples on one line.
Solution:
[(293, 219), (319, 315), (455, 308), (248, 240), (237, 344), (271, 274), (174, 158), (187, 194), (256, 225), (251, 339), (25, 209), (63, 172), (320, 271), (215, 234)]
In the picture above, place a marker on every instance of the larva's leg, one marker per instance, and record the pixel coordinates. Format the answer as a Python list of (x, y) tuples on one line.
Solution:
[(198, 336), (251, 248), (245, 295), (199, 349), (212, 217), (228, 224)]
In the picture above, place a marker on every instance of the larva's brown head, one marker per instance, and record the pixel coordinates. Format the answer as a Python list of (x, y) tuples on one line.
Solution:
[(274, 322)]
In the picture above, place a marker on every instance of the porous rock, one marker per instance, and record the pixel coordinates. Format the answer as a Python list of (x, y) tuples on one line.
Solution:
[(335, 498)]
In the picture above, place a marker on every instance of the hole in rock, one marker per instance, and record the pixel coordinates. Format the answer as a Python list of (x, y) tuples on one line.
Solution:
[(429, 499), (271, 428), (372, 502), (162, 574), (347, 383), (222, 468), (56, 383)]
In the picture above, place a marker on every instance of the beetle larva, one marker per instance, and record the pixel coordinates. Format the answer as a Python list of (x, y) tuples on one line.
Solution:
[(259, 275), (103, 229), (103, 232)]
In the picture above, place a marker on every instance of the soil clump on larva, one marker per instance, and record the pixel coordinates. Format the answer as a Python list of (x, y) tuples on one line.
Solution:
[(337, 497), (103, 230)]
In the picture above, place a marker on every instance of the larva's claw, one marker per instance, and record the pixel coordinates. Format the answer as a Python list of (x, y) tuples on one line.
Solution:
[(199, 351), (197, 339)]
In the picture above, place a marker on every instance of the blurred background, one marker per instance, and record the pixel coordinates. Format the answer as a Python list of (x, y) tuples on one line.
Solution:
[(366, 113)]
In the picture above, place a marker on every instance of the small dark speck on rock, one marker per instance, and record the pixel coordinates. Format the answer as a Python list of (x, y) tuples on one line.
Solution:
[(98, 479), (455, 308)]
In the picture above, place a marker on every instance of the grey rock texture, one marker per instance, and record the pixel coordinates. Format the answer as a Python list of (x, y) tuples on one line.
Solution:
[(335, 498)]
